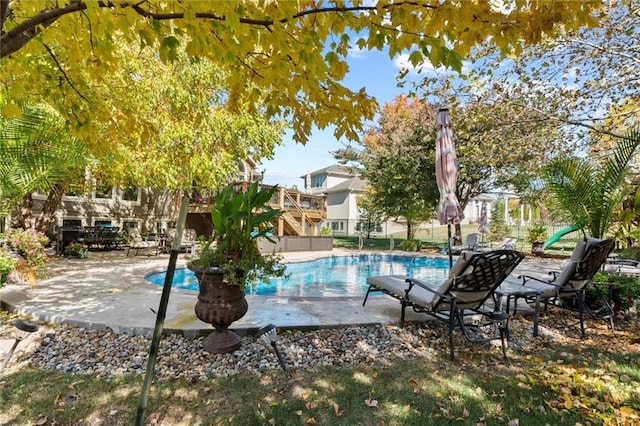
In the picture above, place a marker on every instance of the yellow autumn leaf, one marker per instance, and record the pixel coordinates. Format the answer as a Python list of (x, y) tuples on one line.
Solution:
[(11, 110)]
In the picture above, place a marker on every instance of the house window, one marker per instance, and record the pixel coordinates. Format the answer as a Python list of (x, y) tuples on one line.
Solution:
[(318, 181), (102, 223), (130, 224), (130, 193), (74, 191), (71, 223), (337, 226), (104, 191)]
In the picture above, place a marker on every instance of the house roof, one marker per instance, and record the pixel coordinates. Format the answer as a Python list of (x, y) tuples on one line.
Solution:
[(355, 184), (334, 169)]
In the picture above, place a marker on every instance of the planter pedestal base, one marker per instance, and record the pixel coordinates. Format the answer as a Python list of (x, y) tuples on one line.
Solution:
[(221, 341)]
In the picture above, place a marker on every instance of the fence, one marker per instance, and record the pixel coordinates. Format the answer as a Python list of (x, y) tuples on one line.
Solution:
[(289, 243)]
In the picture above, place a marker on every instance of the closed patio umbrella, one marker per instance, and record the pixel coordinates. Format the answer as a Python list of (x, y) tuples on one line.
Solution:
[(482, 222), (449, 210)]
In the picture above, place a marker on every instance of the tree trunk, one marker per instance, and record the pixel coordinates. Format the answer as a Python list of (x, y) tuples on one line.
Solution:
[(26, 211), (458, 232), (409, 230), (50, 206)]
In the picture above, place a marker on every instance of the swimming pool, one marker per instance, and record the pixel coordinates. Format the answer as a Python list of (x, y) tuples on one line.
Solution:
[(336, 276)]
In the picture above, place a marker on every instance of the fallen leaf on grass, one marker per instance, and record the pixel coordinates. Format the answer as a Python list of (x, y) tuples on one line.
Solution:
[(311, 421), (311, 405), (513, 422), (371, 403), (414, 384), (336, 409), (41, 420)]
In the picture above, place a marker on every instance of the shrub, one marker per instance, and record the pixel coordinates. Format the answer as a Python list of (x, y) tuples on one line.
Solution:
[(411, 245), (626, 289), (6, 266), (29, 244), (76, 249)]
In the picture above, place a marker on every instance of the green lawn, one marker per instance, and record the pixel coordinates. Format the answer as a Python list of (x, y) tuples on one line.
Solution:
[(436, 238), (561, 380)]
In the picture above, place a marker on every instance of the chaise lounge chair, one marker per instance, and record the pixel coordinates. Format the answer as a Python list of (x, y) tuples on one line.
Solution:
[(188, 243), (508, 243), (137, 243), (566, 289), (471, 243), (460, 300)]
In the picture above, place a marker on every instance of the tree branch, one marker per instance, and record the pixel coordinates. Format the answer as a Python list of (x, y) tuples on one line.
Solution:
[(14, 39), (64, 74)]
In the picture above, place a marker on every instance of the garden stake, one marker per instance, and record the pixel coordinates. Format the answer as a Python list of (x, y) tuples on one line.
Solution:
[(162, 310)]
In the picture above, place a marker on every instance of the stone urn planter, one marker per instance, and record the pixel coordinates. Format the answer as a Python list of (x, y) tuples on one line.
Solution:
[(219, 304)]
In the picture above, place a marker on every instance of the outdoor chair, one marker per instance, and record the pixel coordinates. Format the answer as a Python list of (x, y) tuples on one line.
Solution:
[(616, 265), (137, 243), (460, 300), (188, 242), (506, 244), (566, 288), (470, 244)]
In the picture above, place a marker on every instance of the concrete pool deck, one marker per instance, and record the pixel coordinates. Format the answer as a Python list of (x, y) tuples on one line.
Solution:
[(108, 291)]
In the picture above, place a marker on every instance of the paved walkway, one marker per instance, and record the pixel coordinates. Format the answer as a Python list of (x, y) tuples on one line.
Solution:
[(108, 291)]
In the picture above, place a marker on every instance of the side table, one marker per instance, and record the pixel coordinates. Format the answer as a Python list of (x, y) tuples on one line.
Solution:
[(512, 288)]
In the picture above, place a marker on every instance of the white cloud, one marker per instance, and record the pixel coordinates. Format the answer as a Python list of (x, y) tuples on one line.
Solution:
[(402, 62), (357, 53)]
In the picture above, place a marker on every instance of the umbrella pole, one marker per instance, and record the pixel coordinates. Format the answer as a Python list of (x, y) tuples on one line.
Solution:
[(449, 245)]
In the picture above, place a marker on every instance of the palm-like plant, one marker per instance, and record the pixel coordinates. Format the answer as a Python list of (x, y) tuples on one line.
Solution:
[(37, 153), (591, 193)]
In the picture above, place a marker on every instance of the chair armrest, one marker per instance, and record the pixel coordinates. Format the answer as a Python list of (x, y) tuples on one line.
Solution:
[(413, 281), (526, 278), (560, 288)]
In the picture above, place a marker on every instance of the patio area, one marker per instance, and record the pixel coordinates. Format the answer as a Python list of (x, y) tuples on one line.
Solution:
[(108, 292)]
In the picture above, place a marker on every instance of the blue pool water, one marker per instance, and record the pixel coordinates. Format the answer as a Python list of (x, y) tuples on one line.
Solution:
[(336, 276)]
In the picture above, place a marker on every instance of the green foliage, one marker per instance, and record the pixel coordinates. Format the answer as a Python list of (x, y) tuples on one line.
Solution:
[(397, 159), (537, 233), (626, 289), (6, 266), (411, 245), (239, 219), (591, 193), (37, 152), (326, 231), (75, 249), (498, 230), (29, 244)]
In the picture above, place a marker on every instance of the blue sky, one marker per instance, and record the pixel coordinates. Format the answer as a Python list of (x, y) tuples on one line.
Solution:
[(373, 70)]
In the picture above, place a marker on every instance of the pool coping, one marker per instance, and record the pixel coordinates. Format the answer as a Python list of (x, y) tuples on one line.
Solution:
[(109, 292)]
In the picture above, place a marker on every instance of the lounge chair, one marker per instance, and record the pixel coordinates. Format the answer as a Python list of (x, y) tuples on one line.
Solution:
[(506, 244), (566, 288), (620, 266), (470, 244), (188, 242), (460, 300), (137, 243)]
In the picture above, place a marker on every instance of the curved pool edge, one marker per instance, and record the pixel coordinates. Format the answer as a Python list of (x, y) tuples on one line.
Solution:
[(347, 281), (111, 294)]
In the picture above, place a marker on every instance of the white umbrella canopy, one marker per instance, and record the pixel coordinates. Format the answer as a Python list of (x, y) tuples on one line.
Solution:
[(449, 209)]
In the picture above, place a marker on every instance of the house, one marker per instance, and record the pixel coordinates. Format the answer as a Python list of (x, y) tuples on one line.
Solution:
[(342, 187)]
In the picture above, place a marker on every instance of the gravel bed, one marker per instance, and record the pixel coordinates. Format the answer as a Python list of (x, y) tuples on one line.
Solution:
[(104, 353)]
